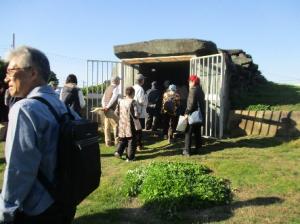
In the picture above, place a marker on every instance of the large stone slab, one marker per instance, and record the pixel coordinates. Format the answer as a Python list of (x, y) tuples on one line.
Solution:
[(165, 47)]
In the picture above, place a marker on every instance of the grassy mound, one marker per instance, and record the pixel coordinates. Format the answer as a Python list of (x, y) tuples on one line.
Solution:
[(170, 186), (268, 96)]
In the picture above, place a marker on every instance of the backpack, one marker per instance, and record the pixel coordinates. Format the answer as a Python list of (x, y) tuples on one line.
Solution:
[(169, 106), (78, 167), (72, 100)]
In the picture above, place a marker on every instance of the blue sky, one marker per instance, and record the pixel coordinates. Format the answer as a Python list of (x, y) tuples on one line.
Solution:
[(70, 32)]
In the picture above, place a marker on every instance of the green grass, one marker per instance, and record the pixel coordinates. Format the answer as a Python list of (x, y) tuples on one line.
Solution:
[(269, 95), (264, 175)]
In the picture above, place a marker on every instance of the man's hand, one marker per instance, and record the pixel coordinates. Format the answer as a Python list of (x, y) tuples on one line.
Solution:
[(186, 116)]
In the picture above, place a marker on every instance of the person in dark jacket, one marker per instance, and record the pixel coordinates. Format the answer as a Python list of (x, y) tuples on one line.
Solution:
[(3, 111), (194, 102), (71, 95), (3, 106), (153, 107)]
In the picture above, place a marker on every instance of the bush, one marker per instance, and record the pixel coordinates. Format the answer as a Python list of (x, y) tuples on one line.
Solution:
[(170, 186), (259, 107), (133, 181)]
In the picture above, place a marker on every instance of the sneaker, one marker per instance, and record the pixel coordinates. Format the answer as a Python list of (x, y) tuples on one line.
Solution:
[(170, 140), (129, 160), (185, 153), (116, 154), (139, 148), (109, 144), (155, 135)]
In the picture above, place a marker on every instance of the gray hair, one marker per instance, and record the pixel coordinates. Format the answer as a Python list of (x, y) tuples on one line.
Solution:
[(139, 78), (32, 57), (115, 79)]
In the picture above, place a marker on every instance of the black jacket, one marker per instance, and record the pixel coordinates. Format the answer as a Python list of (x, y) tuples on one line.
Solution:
[(154, 99), (195, 98)]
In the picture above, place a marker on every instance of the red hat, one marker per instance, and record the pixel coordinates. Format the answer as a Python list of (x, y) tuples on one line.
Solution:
[(195, 79)]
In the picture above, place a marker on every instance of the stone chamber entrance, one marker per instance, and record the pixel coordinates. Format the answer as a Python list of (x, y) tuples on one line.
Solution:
[(172, 60), (222, 73), (176, 72)]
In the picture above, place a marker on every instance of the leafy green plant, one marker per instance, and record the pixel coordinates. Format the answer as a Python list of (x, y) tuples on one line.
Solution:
[(133, 181), (169, 186), (259, 107)]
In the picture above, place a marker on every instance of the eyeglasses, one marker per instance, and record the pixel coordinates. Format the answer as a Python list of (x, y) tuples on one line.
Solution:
[(10, 71)]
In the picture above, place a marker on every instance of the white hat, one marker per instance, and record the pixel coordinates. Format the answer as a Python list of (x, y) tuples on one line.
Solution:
[(172, 87)]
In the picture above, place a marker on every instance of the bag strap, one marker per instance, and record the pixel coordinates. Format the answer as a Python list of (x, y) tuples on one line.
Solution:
[(41, 176), (131, 115), (52, 110), (129, 110), (199, 108)]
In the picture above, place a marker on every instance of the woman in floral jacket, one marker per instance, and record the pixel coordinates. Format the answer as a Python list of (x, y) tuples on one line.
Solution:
[(128, 125)]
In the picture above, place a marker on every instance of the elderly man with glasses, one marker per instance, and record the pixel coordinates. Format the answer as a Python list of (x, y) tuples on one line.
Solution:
[(31, 143)]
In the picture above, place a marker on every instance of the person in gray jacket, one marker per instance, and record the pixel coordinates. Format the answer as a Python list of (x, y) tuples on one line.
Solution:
[(71, 95), (194, 102)]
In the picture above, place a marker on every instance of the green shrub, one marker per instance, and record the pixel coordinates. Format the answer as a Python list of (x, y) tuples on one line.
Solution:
[(135, 178), (258, 107), (133, 181), (170, 186)]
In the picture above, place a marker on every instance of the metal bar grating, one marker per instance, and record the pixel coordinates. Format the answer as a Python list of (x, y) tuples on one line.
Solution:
[(211, 71)]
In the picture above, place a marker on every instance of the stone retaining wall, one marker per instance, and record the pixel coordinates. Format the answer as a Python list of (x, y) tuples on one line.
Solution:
[(264, 123)]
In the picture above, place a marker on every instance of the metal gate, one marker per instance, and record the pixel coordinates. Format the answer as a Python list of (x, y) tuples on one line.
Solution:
[(99, 74), (211, 70)]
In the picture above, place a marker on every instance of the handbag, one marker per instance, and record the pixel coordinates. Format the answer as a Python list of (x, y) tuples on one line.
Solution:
[(182, 124), (195, 117), (137, 124)]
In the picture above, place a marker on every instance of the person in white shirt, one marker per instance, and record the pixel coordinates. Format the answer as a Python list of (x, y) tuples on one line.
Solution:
[(141, 100), (109, 103)]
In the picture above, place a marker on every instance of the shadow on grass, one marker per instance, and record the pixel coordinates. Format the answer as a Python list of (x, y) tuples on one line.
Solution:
[(146, 214), (209, 146), (164, 150), (213, 146), (251, 143)]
